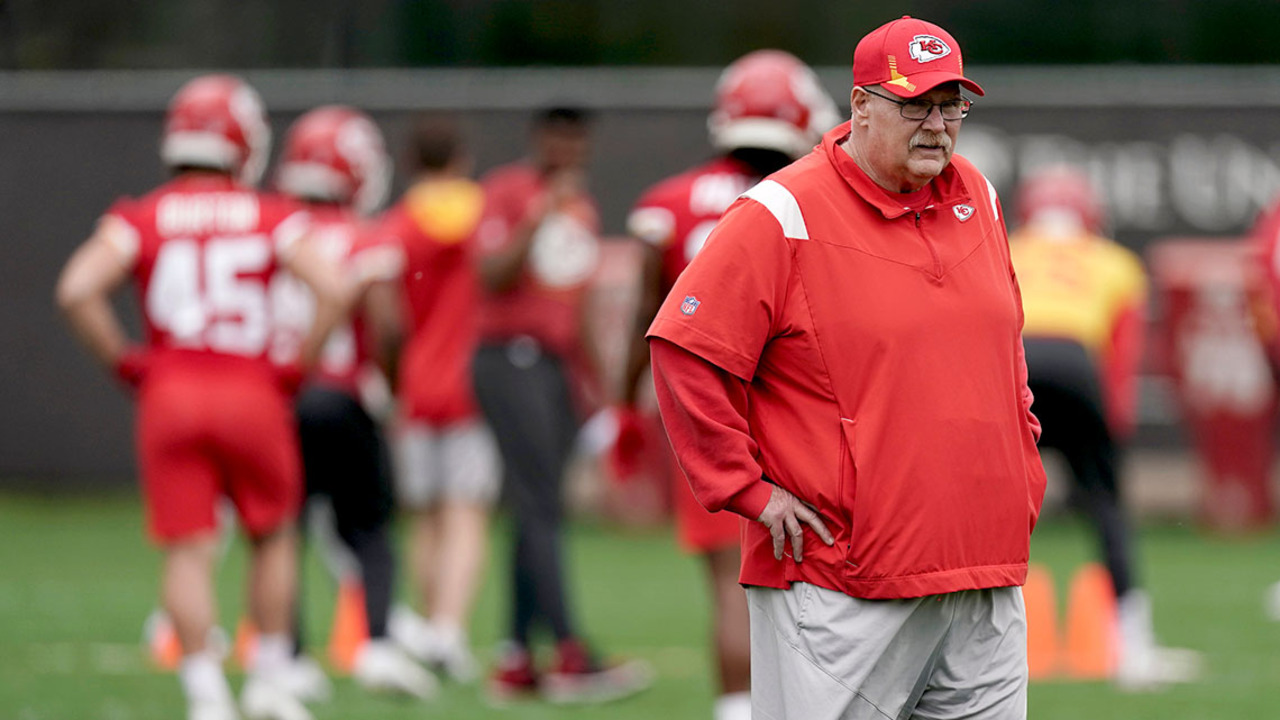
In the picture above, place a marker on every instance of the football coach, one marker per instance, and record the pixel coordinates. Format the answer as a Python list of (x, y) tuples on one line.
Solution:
[(842, 365)]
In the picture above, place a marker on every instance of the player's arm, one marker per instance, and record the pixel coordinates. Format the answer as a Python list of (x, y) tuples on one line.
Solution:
[(96, 269), (630, 444), (384, 322), (647, 303), (1122, 360), (334, 294), (501, 267), (379, 273)]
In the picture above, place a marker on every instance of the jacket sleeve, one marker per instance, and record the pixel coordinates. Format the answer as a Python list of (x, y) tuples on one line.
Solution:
[(1024, 391), (704, 410)]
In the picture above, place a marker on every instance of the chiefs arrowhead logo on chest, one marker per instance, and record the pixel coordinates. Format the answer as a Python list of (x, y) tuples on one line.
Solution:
[(963, 212)]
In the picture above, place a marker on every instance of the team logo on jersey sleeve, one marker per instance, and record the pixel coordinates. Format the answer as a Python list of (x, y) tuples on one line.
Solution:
[(926, 48), (690, 305), (963, 212)]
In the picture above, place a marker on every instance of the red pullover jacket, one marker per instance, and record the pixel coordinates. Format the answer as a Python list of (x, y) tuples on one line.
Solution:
[(866, 357)]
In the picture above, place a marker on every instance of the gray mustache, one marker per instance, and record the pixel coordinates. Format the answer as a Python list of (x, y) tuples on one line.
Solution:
[(940, 140)]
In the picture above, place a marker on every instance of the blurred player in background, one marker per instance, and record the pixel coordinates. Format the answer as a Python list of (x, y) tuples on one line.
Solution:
[(214, 414), (1084, 297), (1265, 237), (539, 248), (769, 110), (334, 160), (447, 471)]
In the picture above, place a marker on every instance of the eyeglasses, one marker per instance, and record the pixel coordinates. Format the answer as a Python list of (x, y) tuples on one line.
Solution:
[(917, 109)]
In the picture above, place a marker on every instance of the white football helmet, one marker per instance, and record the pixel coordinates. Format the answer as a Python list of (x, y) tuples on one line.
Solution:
[(336, 154), (218, 122), (771, 100)]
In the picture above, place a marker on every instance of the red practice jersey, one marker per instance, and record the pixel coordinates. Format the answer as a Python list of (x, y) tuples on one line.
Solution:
[(546, 299), (341, 237), (675, 217), (1265, 237), (204, 252), (212, 420), (435, 226), (677, 214)]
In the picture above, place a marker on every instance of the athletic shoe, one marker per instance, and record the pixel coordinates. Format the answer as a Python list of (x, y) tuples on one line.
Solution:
[(1142, 664), (513, 677), (212, 710), (578, 677), (1273, 602), (305, 680), (451, 657), (261, 699), (1153, 668), (412, 633), (383, 667)]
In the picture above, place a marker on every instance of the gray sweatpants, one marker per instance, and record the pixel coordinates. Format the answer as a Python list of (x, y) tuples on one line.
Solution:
[(818, 654), (524, 394)]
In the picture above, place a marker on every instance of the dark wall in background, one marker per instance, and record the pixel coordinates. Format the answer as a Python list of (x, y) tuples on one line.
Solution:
[(1191, 165)]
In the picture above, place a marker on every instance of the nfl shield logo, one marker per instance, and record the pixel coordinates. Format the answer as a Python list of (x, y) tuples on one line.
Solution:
[(690, 305)]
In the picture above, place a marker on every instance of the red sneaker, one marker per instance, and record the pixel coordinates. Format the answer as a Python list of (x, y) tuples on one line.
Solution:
[(578, 677), (514, 677)]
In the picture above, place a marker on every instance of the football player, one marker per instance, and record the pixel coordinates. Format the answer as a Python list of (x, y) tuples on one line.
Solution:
[(335, 162), (1084, 299), (447, 471), (214, 415), (769, 110), (538, 247)]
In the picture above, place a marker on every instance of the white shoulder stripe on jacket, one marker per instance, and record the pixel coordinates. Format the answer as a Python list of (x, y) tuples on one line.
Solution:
[(991, 193), (782, 205)]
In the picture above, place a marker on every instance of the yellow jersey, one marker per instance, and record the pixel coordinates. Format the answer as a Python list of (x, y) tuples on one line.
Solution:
[(1091, 290), (1076, 288)]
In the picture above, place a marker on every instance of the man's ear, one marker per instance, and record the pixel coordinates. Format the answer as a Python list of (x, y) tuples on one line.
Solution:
[(858, 101)]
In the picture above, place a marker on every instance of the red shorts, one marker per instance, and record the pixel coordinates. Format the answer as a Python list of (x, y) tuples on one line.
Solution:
[(697, 530), (209, 428)]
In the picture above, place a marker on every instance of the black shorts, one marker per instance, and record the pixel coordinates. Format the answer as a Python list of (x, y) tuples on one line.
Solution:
[(344, 458)]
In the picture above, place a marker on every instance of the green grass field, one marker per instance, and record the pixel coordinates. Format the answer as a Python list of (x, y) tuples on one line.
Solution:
[(77, 579)]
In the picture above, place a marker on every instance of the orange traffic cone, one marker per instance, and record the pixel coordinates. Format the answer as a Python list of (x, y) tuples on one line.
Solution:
[(246, 643), (350, 626), (1041, 602), (1091, 625)]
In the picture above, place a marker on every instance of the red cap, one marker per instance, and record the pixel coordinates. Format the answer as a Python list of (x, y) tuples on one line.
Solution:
[(909, 57)]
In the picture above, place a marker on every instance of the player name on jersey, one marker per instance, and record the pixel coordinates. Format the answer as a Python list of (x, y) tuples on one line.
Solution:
[(206, 213)]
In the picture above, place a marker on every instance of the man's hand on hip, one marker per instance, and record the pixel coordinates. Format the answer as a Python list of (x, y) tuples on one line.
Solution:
[(784, 515)]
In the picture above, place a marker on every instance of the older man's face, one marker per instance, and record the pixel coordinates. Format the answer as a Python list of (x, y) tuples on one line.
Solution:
[(906, 154)]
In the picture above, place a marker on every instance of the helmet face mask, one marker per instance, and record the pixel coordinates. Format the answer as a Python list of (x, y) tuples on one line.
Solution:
[(770, 100), (336, 154), (217, 122)]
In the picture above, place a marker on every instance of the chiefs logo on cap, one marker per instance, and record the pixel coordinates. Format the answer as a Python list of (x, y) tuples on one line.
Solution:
[(924, 48)]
